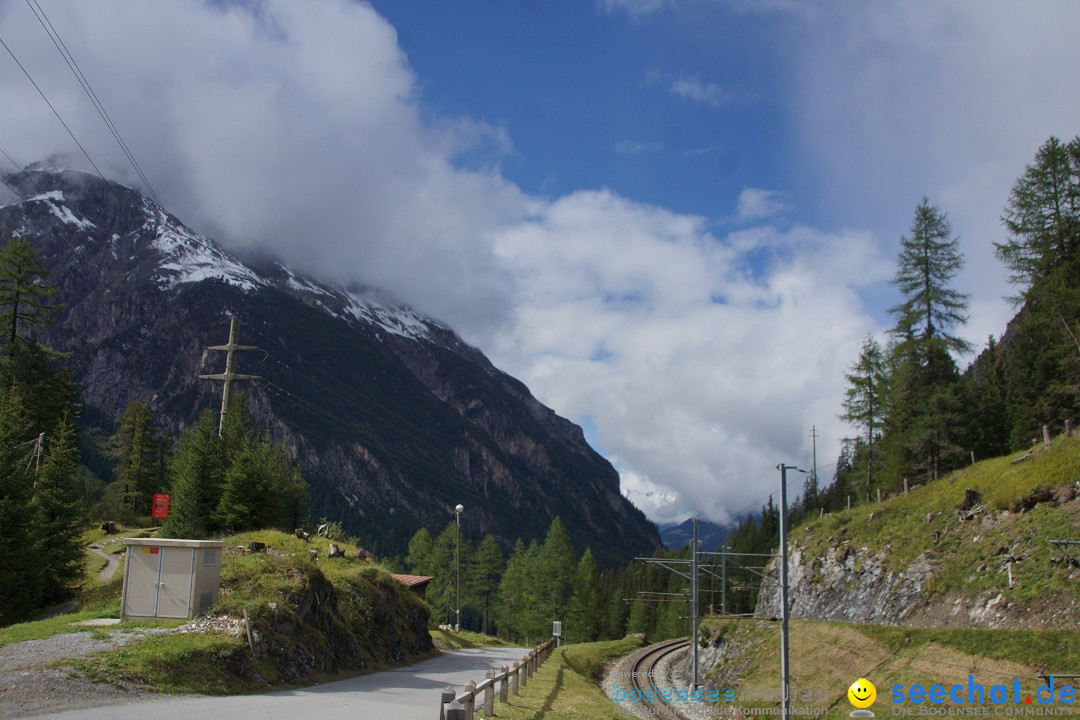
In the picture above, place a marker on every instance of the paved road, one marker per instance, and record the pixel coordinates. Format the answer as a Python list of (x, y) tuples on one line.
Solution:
[(407, 693)]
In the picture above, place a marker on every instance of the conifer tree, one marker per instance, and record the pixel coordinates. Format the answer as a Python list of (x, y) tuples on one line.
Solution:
[(419, 553), (139, 451), (557, 564), (584, 616), (1043, 215), (1042, 365), (58, 506), (196, 476), (20, 546), (924, 405), (24, 292), (638, 621), (864, 401), (25, 308), (484, 572)]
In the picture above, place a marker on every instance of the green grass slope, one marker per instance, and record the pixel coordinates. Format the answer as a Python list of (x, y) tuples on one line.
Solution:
[(1018, 506), (310, 618), (826, 657)]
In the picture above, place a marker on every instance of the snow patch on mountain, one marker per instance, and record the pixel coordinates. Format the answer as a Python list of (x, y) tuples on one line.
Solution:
[(188, 257), (402, 321)]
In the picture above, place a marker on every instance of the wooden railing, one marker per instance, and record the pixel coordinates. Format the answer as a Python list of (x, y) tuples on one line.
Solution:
[(509, 679)]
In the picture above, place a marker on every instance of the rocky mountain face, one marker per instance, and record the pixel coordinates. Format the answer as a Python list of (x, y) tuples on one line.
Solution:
[(394, 418)]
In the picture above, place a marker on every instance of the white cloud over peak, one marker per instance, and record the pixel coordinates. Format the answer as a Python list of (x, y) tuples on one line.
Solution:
[(296, 128)]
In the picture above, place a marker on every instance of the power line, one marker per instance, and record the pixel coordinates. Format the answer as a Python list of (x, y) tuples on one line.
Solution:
[(62, 48), (42, 94)]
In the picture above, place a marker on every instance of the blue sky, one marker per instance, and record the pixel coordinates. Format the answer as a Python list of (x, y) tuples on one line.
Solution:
[(587, 96), (675, 220)]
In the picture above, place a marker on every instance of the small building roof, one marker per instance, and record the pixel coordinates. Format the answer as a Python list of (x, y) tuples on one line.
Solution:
[(412, 581)]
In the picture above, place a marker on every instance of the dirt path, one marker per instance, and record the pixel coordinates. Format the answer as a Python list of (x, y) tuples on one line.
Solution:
[(111, 563)]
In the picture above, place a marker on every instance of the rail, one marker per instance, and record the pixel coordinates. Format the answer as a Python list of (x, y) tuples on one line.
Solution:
[(509, 680), (644, 678)]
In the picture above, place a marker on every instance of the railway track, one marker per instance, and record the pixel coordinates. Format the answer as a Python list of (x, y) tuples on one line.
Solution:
[(644, 679)]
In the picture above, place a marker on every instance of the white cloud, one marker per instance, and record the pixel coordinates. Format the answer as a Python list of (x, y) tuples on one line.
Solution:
[(712, 370), (702, 359), (692, 87), (636, 9), (630, 148), (950, 100), (296, 128), (757, 204)]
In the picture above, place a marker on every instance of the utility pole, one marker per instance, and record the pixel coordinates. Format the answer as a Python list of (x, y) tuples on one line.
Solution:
[(457, 560), (723, 581), (813, 468), (230, 375), (694, 602), (785, 668)]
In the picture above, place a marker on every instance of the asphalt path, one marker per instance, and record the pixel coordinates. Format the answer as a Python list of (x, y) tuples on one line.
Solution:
[(405, 693)]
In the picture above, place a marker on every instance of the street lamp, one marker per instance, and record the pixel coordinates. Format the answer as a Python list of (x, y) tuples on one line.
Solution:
[(457, 514)]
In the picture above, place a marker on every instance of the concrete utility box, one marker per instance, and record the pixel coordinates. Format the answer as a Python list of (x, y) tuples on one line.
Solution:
[(170, 579)]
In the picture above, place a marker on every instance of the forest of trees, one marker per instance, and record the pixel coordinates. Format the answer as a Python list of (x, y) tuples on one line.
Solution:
[(518, 597)]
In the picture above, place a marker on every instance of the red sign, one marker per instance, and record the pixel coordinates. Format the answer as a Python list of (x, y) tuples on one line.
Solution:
[(161, 506)]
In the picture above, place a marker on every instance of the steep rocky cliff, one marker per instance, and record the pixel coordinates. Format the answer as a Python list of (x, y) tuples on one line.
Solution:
[(971, 550), (394, 418)]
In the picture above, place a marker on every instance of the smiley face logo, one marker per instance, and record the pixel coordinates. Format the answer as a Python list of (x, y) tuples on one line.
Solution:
[(862, 693)]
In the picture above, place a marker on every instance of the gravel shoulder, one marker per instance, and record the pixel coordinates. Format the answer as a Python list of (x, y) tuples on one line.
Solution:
[(34, 681)]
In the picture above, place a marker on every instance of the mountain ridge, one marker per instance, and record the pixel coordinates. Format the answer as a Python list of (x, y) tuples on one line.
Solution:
[(394, 418)]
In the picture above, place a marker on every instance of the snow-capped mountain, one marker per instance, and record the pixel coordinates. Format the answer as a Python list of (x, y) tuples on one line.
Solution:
[(394, 418)]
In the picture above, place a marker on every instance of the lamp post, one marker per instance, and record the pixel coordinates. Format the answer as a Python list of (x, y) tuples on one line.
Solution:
[(785, 667), (457, 603)]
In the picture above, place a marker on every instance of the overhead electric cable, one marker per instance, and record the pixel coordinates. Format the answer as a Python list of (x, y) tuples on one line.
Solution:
[(73, 65), (42, 94)]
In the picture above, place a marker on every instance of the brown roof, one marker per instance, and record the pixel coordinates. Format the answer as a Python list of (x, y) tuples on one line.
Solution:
[(413, 581)]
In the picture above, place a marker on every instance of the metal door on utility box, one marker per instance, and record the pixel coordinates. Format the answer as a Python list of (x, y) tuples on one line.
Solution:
[(161, 578)]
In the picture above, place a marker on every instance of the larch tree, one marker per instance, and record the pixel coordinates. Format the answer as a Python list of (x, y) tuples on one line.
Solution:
[(924, 403), (865, 401), (1042, 217)]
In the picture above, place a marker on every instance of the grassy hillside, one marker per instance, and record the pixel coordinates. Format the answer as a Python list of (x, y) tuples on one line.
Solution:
[(827, 657), (309, 618), (1018, 507)]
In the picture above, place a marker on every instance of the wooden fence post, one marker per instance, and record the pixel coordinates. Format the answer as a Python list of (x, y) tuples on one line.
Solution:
[(455, 711), (447, 697), (489, 693), (524, 671), (470, 698), (502, 684), (514, 679)]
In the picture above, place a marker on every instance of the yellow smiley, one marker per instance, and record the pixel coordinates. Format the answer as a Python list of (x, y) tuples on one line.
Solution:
[(862, 693)]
